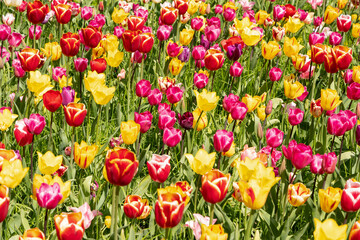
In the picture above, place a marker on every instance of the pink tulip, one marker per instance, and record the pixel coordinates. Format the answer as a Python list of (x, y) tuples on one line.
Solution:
[(174, 94), (274, 137), (315, 3), (195, 225), (223, 140), (58, 73), (212, 33), (335, 38), (337, 124), (18, 71), (350, 198), (15, 39), (172, 136), (87, 214), (48, 196), (230, 101), (118, 31), (86, 13), (329, 162), (305, 93), (296, 116), (163, 32), (144, 120), (214, 21), (238, 112), (38, 32), (159, 167), (5, 31), (279, 12), (315, 38), (229, 14), (236, 69), (275, 74), (35, 123), (351, 117), (198, 52), (299, 154), (200, 80), (164, 107), (348, 76), (353, 91), (141, 12), (80, 64), (173, 49), (303, 14), (8, 19), (246, 5), (98, 21), (316, 164), (343, 23), (167, 119), (197, 23), (218, 9), (317, 21), (143, 88)]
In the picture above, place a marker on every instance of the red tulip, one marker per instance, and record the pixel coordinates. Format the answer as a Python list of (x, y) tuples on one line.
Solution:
[(168, 15), (131, 40), (318, 53), (99, 65), (355, 231), (92, 36), (75, 114), (4, 202), (52, 100), (36, 12), (22, 134), (343, 56), (290, 10), (135, 23), (62, 13), (343, 23), (330, 61), (159, 167), (214, 186), (69, 226), (350, 198), (70, 44), (31, 59), (214, 59), (146, 42), (135, 206), (182, 6)]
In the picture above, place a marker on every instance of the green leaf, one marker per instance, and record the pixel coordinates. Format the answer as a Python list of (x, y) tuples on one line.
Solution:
[(24, 221)]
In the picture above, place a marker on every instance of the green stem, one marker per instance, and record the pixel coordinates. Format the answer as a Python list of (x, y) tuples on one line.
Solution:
[(212, 206), (45, 221), (196, 192), (72, 153), (253, 215), (34, 40), (98, 124), (114, 211), (50, 132)]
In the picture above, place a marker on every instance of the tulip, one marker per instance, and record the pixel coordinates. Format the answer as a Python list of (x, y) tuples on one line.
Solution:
[(6, 119), (75, 113), (5, 31), (48, 196), (251, 37), (168, 15), (49, 163), (13, 3), (175, 66), (355, 32), (239, 110), (35, 123), (33, 233), (36, 12), (69, 226), (159, 167), (172, 136), (298, 194), (275, 74), (146, 42), (229, 102), (348, 76), (223, 140), (270, 50), (329, 199), (343, 56), (350, 202), (131, 40), (70, 44), (212, 33), (154, 97), (335, 38), (91, 36), (343, 23), (213, 232), (293, 25), (229, 14), (200, 80), (296, 116), (198, 23), (80, 64), (135, 23), (331, 14), (163, 32), (214, 59), (166, 119), (63, 13), (18, 71), (87, 214), (118, 31), (316, 164), (315, 38), (236, 69), (30, 59), (301, 63), (39, 180), (353, 91), (86, 13), (318, 52), (206, 101), (174, 94), (234, 51), (22, 134), (118, 16), (84, 154), (12, 173), (329, 99), (52, 50), (293, 89), (120, 166), (214, 186), (337, 124), (99, 65), (278, 33), (299, 154), (354, 232), (274, 137), (173, 49), (136, 207), (198, 52), (52, 100), (202, 162), (68, 95), (15, 39), (201, 121), (329, 230), (4, 202), (129, 131), (169, 207), (291, 47), (144, 120)]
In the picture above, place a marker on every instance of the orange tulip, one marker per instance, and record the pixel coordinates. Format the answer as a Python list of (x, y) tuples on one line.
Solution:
[(214, 186), (75, 114)]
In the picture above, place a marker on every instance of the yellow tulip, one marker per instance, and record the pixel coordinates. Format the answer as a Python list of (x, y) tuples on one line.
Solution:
[(299, 61), (230, 5), (64, 81), (356, 74), (329, 230), (331, 14), (329, 199), (93, 79), (114, 58), (174, 189), (206, 101), (6, 119), (193, 7), (291, 47), (95, 83), (107, 221), (293, 25), (355, 31), (84, 154), (342, 3), (260, 16), (244, 23), (204, 72), (202, 8), (293, 89), (175, 66), (65, 188), (231, 151), (186, 36), (255, 183), (270, 50), (213, 232), (97, 52), (298, 194), (12, 173), (203, 121), (250, 37), (329, 99), (38, 83), (118, 16), (48, 163), (251, 102), (261, 112), (354, 17), (129, 131), (110, 43), (52, 50), (202, 162)]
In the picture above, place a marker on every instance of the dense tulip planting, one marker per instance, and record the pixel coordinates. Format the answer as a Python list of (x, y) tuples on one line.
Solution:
[(180, 119)]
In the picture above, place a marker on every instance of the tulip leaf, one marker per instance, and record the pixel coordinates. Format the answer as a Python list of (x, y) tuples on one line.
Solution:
[(300, 233), (143, 186), (24, 221), (86, 186), (271, 223), (132, 233)]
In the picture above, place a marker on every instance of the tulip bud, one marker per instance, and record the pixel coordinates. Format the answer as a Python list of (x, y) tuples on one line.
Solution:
[(260, 131), (159, 167), (67, 151), (101, 6), (269, 107), (358, 110), (355, 231)]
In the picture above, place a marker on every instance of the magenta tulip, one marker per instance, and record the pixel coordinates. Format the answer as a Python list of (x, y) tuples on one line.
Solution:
[(200, 80), (223, 140), (144, 120), (48, 196), (167, 119), (275, 74), (174, 94), (274, 137), (229, 14), (212, 33), (38, 32), (335, 38), (172, 136), (143, 88), (5, 31), (198, 52), (159, 167), (80, 64), (186, 120), (279, 12), (163, 32), (230, 101), (348, 76), (238, 112), (350, 198), (86, 13), (299, 154), (236, 69), (337, 125), (329, 162), (154, 97), (296, 116), (197, 23), (353, 91), (316, 164), (315, 38), (35, 123)]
